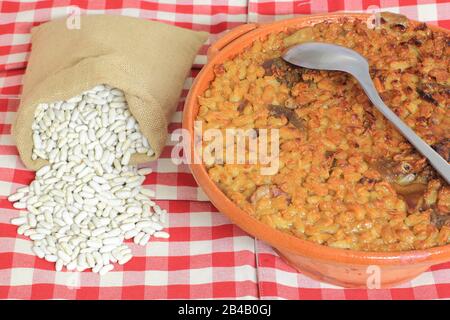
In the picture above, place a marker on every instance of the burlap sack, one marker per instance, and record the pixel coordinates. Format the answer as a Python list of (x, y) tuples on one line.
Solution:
[(148, 60)]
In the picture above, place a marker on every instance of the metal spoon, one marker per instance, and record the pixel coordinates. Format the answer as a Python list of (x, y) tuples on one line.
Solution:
[(324, 56)]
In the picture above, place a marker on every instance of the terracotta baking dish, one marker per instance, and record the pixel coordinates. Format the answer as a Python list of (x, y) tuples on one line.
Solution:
[(337, 266)]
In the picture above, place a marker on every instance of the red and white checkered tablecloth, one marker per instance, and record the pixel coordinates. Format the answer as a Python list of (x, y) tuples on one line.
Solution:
[(206, 256)]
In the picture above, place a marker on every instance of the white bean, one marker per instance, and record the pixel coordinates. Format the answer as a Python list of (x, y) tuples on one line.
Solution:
[(87, 200)]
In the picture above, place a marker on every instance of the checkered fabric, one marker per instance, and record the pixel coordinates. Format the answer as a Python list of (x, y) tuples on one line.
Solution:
[(206, 256)]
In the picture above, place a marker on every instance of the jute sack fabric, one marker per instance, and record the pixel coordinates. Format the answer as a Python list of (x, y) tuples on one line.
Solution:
[(148, 60)]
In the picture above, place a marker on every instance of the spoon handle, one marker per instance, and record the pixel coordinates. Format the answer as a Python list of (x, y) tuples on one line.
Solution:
[(439, 163)]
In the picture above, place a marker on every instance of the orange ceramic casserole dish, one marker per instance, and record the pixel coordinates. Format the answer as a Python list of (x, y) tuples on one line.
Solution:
[(337, 266)]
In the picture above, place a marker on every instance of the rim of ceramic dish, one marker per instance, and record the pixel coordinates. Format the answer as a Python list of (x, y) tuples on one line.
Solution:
[(233, 43)]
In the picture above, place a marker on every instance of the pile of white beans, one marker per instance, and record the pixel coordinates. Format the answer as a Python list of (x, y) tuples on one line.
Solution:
[(83, 205)]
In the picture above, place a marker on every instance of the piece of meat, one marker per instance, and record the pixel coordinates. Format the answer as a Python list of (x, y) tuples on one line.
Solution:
[(394, 21), (433, 92), (291, 115), (260, 192), (427, 96), (242, 105)]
